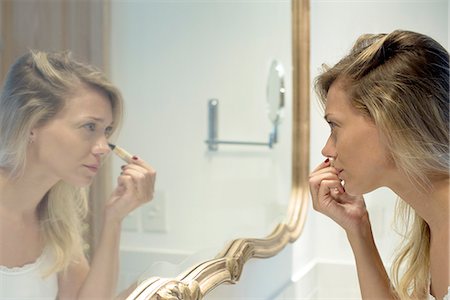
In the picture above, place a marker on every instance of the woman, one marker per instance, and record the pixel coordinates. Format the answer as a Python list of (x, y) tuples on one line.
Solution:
[(387, 103), (56, 116)]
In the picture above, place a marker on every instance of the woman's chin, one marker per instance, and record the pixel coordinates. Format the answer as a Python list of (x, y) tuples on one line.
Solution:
[(349, 189), (81, 182), (354, 191)]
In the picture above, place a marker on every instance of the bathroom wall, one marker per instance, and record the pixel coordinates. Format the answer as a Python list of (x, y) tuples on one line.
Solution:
[(335, 26)]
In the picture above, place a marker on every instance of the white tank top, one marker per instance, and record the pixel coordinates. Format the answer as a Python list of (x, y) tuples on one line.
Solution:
[(27, 282)]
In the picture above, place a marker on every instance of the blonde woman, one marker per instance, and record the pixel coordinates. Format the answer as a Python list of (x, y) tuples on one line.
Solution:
[(387, 103), (56, 116)]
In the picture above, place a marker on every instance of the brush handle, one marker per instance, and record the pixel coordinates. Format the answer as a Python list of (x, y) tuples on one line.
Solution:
[(127, 157)]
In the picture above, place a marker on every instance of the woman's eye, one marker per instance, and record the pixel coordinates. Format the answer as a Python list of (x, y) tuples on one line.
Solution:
[(108, 131), (332, 125), (90, 126)]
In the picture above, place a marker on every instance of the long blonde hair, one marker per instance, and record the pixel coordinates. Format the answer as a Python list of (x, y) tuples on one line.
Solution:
[(36, 88), (401, 82)]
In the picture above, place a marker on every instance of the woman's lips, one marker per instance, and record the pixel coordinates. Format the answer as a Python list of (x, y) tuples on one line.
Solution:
[(93, 168)]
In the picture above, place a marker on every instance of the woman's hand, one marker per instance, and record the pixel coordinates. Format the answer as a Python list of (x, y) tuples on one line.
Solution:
[(135, 186), (329, 197)]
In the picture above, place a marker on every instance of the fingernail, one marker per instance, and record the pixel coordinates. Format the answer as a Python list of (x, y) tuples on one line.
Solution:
[(135, 158), (327, 160)]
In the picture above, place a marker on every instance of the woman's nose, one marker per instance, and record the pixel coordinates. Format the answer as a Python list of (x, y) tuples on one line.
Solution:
[(101, 147), (329, 150)]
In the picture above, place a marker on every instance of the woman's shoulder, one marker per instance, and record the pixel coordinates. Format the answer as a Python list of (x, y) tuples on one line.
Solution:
[(446, 297), (31, 275)]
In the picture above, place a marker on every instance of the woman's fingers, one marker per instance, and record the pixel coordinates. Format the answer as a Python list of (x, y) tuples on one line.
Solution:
[(143, 176), (142, 182), (140, 162), (135, 186), (325, 187), (329, 197), (315, 180), (322, 165), (323, 168), (327, 200), (330, 187)]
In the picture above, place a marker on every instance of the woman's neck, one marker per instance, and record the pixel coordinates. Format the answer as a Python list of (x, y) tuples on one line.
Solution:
[(21, 196), (431, 203)]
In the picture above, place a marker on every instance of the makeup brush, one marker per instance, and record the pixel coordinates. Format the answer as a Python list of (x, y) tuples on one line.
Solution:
[(121, 153)]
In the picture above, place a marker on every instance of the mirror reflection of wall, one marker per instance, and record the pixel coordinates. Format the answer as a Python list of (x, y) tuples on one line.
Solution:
[(169, 58), (275, 92), (275, 108)]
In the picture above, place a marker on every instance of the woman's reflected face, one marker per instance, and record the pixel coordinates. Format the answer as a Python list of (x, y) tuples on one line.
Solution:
[(71, 145), (355, 144)]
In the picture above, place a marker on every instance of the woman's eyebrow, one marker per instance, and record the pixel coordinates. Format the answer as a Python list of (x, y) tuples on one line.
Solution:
[(97, 119)]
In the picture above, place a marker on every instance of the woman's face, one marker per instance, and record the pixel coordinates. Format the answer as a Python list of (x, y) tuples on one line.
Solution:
[(70, 146), (355, 144)]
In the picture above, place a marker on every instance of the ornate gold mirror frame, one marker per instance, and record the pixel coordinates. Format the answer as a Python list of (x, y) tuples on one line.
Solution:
[(227, 266)]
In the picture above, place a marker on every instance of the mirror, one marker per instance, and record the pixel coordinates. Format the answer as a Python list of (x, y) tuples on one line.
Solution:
[(275, 92), (168, 58), (191, 52), (202, 277)]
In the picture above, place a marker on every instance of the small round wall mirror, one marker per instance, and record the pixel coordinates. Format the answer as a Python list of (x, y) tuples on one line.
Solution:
[(275, 92)]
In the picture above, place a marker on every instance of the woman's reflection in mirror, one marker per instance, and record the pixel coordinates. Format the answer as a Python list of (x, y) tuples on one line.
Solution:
[(56, 116)]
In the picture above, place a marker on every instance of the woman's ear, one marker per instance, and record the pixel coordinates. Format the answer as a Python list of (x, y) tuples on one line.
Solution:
[(31, 137)]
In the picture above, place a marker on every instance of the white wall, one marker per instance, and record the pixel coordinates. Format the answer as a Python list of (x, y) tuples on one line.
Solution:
[(169, 58), (335, 26)]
